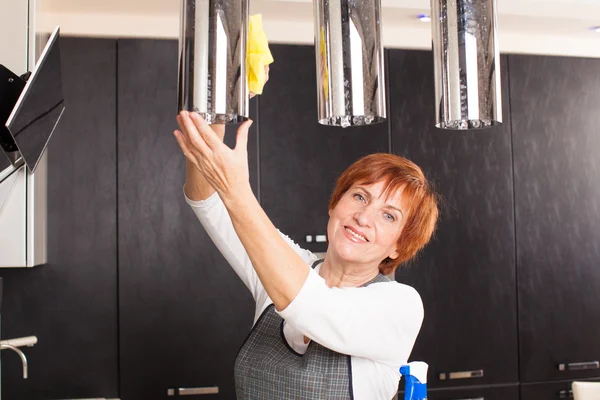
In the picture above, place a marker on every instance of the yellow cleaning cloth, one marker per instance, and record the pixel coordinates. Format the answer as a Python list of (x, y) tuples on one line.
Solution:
[(258, 55), (324, 69)]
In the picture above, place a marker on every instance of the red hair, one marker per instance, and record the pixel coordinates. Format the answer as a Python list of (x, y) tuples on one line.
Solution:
[(397, 173)]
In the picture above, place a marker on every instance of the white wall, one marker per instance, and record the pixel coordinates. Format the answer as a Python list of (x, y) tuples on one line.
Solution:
[(13, 35), (517, 34)]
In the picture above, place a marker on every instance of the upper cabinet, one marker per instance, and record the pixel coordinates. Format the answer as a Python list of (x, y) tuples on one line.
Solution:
[(556, 114), (183, 312), (466, 275)]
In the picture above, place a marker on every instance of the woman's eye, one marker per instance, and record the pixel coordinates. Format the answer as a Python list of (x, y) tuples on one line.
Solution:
[(359, 197), (389, 217)]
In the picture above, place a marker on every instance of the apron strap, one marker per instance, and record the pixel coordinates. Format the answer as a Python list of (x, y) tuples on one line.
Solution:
[(316, 263), (378, 278)]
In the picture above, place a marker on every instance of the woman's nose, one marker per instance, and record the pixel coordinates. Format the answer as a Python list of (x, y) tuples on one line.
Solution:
[(364, 217)]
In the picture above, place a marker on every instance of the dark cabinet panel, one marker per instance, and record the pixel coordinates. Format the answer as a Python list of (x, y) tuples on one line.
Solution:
[(557, 192), (466, 275), (480, 393), (547, 391), (300, 159), (183, 311), (70, 304)]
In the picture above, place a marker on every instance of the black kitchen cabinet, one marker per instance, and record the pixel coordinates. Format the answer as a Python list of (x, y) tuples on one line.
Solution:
[(466, 275), (70, 303), (300, 159), (183, 312), (547, 391), (508, 392), (557, 197)]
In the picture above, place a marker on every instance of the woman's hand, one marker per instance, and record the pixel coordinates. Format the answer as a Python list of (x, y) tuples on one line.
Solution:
[(225, 169)]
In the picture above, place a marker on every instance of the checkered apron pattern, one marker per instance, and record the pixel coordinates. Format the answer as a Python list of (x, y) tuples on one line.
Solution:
[(267, 368)]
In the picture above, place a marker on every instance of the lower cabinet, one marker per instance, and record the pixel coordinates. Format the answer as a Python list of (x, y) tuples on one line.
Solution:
[(547, 390)]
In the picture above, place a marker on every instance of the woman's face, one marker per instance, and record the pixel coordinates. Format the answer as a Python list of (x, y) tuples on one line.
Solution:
[(364, 226)]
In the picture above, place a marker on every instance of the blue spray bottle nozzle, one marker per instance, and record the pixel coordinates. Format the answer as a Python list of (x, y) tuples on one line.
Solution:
[(415, 378)]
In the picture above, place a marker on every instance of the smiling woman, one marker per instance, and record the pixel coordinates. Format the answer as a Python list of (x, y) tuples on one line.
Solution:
[(407, 202), (340, 329)]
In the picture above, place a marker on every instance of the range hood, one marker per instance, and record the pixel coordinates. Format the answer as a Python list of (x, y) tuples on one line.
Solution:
[(31, 105)]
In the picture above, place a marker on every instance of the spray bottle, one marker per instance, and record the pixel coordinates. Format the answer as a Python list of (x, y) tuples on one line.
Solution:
[(415, 378)]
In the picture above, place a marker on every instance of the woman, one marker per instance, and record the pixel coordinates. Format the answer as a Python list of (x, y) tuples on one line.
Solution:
[(338, 330)]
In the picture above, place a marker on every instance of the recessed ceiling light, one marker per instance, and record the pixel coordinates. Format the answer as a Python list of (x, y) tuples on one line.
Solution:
[(595, 28), (424, 17)]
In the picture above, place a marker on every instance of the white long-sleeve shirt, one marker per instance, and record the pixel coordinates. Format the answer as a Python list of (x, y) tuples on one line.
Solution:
[(376, 325)]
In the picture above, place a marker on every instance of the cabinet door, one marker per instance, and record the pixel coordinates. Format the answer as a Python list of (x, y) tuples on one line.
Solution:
[(70, 304), (466, 275), (183, 312), (300, 160), (481, 393), (557, 192), (546, 391)]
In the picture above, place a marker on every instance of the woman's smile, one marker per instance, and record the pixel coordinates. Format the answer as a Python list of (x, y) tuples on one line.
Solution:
[(355, 235)]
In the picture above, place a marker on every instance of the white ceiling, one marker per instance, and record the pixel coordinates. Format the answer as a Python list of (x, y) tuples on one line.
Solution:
[(525, 26)]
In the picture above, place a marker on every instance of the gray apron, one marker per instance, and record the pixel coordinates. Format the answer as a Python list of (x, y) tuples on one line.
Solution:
[(267, 368)]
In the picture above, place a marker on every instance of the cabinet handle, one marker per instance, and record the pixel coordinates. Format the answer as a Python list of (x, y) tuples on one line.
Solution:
[(579, 366), (461, 375), (316, 238), (565, 394), (193, 391)]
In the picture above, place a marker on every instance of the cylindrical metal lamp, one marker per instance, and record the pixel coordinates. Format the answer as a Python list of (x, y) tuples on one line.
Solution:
[(212, 59), (466, 63), (350, 63)]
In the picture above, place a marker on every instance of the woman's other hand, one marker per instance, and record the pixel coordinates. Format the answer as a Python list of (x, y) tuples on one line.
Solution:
[(225, 169)]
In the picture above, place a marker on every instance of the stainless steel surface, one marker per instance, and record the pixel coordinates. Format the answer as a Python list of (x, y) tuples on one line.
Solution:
[(37, 214), (28, 341), (212, 59), (461, 375), (193, 391), (13, 219), (20, 353), (578, 366), (350, 63), (466, 64), (10, 170)]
